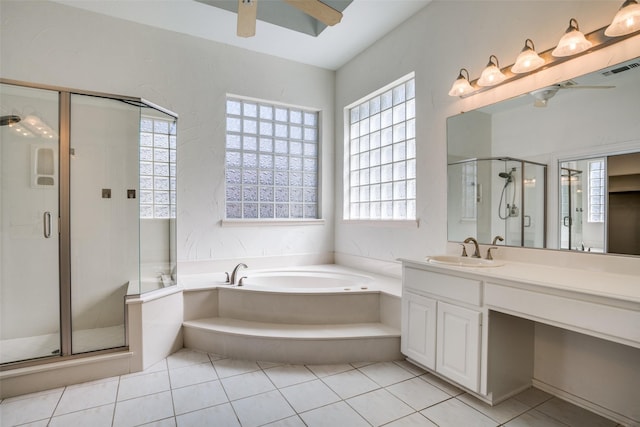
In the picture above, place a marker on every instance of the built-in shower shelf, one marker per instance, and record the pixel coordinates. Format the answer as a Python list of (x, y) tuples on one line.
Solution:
[(293, 343)]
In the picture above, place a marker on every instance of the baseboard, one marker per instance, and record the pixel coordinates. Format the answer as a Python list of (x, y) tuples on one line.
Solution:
[(578, 401)]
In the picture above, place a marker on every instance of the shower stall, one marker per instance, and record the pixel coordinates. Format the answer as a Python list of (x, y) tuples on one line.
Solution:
[(87, 217), (497, 196)]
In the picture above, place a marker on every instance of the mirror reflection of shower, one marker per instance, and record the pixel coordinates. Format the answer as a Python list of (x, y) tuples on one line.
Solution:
[(510, 210)]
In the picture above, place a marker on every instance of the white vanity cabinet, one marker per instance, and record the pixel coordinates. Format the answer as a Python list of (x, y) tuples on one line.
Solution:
[(498, 331), (458, 344), (440, 327), (418, 327)]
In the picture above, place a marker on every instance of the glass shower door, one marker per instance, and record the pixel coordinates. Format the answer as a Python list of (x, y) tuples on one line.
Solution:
[(104, 210), (570, 208), (29, 210)]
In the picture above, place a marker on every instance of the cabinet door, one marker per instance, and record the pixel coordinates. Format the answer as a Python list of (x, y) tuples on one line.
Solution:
[(418, 339), (458, 345)]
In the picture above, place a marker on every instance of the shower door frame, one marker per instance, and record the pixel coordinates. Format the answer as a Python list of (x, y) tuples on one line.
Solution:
[(64, 220)]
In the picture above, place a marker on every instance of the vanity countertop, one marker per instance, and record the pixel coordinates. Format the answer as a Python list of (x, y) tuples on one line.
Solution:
[(622, 287)]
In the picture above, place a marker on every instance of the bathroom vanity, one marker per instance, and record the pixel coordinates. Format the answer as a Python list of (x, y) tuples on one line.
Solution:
[(475, 326)]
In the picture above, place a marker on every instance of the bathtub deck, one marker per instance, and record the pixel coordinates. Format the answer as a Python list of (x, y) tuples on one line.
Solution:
[(293, 343), (284, 331)]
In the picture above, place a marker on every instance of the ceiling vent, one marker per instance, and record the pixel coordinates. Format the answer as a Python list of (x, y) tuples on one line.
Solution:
[(621, 69)]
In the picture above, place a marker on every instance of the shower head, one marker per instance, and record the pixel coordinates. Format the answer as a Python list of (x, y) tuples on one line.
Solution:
[(9, 120), (507, 175)]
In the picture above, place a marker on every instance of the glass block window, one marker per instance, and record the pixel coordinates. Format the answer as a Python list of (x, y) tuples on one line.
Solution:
[(381, 152), (596, 190), (157, 168), (469, 190), (271, 163)]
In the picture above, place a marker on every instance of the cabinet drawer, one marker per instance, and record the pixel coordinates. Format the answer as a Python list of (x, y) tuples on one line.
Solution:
[(443, 285)]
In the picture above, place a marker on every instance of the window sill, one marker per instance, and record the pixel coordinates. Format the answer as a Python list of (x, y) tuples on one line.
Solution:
[(269, 222), (404, 223)]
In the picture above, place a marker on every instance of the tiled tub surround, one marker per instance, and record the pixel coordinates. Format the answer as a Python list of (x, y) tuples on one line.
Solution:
[(191, 388), (315, 314), (573, 332)]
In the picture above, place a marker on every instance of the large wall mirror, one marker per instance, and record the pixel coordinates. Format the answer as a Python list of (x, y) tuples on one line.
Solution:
[(556, 168)]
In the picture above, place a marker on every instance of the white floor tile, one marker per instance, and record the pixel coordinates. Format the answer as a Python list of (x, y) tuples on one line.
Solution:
[(221, 415), (386, 373), (361, 364), (502, 412), (350, 383), (100, 416), (213, 357), (198, 396), (326, 370), (144, 409), (334, 415), (414, 420), (41, 423), (261, 409), (230, 367), (287, 422), (534, 419), (286, 375), (448, 388), (309, 395), (267, 365), (415, 370), (572, 415), (186, 357), (454, 413), (85, 396), (28, 408), (192, 374), (143, 385), (167, 422), (245, 385), (418, 393), (532, 397), (158, 367), (380, 407)]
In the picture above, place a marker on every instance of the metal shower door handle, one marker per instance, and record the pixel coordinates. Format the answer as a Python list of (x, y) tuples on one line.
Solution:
[(46, 219)]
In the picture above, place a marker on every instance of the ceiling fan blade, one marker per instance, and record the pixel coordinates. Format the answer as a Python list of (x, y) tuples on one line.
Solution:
[(586, 87), (247, 10), (315, 8)]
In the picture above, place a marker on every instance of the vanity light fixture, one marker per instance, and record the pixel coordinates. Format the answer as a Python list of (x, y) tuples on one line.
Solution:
[(491, 75), (461, 86), (528, 59), (626, 24), (626, 21), (573, 41)]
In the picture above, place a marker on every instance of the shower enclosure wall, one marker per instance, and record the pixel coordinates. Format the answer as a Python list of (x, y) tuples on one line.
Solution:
[(499, 196), (86, 218)]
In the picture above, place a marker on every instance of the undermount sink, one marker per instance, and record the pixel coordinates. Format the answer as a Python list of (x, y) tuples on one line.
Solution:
[(460, 261)]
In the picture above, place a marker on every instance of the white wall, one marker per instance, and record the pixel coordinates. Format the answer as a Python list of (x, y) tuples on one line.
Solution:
[(436, 43), (44, 42)]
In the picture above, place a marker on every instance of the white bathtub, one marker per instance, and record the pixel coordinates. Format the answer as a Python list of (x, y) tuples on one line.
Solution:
[(305, 280)]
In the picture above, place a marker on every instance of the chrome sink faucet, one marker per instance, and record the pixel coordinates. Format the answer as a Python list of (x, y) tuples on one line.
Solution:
[(476, 252), (234, 273)]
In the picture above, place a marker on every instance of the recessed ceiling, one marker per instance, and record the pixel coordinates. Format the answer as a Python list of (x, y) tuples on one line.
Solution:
[(363, 22), (279, 13)]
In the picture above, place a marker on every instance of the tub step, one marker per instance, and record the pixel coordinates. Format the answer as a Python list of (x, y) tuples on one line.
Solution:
[(293, 343)]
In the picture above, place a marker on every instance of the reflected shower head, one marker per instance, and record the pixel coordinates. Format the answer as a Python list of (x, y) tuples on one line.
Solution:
[(9, 120), (507, 175)]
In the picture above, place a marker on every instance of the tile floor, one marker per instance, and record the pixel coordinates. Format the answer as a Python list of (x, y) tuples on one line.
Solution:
[(190, 388)]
